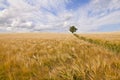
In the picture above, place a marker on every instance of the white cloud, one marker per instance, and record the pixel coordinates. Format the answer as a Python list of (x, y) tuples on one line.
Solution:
[(30, 15)]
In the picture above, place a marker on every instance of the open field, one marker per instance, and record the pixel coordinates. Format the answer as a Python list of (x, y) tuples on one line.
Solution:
[(110, 41), (113, 36), (52, 56)]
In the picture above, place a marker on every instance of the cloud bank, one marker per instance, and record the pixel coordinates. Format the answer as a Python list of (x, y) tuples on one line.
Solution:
[(58, 15)]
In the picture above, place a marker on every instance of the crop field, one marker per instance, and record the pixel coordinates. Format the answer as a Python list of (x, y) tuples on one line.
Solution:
[(52, 56)]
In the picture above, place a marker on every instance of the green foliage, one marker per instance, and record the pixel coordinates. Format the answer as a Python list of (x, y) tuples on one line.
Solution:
[(108, 45), (73, 29)]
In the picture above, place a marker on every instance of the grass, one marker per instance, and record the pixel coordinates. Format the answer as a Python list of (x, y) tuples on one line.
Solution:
[(55, 57), (115, 47)]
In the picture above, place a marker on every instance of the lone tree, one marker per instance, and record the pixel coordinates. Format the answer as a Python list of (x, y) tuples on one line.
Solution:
[(73, 29)]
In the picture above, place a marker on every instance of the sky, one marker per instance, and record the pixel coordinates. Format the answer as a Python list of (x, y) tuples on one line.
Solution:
[(59, 15)]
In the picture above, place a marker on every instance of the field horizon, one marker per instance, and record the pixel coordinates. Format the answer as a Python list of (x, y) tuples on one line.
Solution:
[(59, 39), (60, 56)]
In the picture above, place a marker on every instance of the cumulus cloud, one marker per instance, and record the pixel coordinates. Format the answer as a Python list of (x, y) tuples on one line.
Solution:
[(37, 15)]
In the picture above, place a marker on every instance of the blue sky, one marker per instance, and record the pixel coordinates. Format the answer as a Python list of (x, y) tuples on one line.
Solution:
[(75, 4), (59, 15)]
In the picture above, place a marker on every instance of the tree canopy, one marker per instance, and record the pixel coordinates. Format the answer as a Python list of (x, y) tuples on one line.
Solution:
[(73, 29)]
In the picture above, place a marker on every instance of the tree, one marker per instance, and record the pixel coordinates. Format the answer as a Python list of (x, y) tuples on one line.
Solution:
[(73, 29)]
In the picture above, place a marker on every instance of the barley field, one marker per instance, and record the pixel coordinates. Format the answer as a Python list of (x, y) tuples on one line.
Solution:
[(52, 56)]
